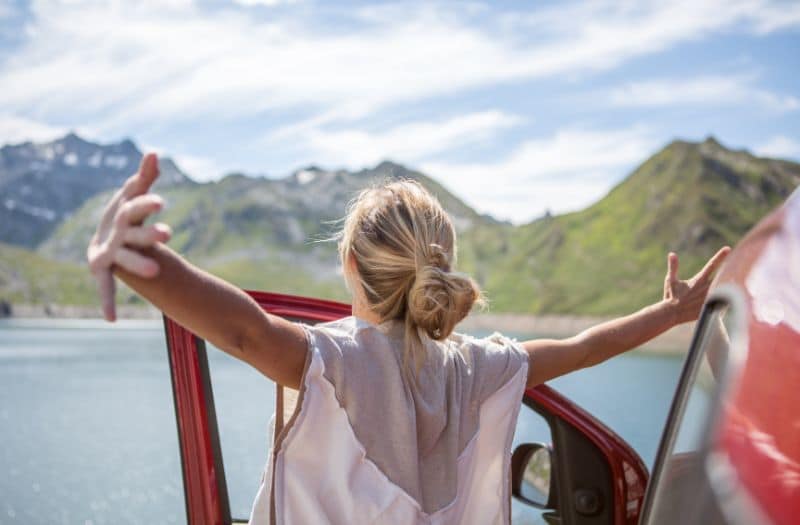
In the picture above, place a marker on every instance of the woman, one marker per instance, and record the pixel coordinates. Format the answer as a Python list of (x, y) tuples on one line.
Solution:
[(417, 420)]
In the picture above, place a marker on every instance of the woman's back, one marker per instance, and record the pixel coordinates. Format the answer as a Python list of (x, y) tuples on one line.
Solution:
[(369, 445)]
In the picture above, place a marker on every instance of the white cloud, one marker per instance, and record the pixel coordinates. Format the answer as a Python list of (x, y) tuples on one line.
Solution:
[(126, 67), (780, 146), (561, 173), (775, 16), (707, 90), (126, 63), (408, 142), (267, 3), (200, 168), (15, 129)]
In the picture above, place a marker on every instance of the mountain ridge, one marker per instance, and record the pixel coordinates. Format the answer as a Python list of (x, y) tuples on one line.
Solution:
[(259, 232), (691, 198), (41, 184)]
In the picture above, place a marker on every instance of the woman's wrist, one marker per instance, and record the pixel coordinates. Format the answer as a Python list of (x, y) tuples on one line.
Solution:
[(671, 310)]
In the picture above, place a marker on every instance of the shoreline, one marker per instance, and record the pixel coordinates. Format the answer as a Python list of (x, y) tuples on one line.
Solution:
[(58, 311), (672, 342)]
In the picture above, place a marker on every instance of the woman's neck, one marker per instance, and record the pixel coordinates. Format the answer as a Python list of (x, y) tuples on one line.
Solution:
[(362, 311)]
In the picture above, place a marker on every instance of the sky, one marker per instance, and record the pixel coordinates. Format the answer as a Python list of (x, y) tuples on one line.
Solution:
[(519, 108)]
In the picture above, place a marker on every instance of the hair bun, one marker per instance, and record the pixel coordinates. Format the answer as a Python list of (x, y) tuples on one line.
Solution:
[(437, 257), (398, 247), (438, 300)]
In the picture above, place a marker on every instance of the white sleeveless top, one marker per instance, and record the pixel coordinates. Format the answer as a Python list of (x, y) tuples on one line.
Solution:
[(366, 446)]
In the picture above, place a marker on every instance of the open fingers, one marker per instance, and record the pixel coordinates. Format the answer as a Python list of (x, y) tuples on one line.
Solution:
[(107, 289), (713, 264), (672, 267), (136, 263), (143, 236), (107, 219), (140, 182), (137, 184), (136, 210)]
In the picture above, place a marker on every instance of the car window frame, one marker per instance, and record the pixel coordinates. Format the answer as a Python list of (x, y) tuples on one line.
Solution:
[(732, 297), (204, 481)]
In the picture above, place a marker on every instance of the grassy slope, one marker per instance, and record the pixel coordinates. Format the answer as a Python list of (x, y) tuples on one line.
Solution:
[(608, 258), (611, 257), (257, 233), (252, 253), (27, 277)]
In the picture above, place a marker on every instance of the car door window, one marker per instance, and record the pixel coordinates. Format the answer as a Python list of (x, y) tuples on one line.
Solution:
[(244, 401), (679, 475), (531, 428)]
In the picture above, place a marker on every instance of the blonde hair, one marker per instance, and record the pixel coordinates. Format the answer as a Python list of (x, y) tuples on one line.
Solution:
[(404, 247)]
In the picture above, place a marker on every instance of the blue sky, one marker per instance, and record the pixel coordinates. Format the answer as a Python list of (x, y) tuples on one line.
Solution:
[(517, 107)]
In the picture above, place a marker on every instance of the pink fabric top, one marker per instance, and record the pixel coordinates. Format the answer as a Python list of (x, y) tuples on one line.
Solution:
[(367, 446)]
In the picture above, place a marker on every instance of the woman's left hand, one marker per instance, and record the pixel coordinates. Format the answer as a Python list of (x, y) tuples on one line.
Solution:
[(687, 297), (120, 233)]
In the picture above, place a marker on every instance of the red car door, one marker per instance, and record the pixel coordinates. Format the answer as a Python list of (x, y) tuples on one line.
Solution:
[(593, 476)]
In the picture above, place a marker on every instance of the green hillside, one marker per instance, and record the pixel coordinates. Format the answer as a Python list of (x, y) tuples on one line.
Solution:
[(27, 277), (260, 233), (609, 258)]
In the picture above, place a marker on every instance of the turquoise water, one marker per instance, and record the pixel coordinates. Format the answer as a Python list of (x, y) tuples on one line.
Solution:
[(87, 424)]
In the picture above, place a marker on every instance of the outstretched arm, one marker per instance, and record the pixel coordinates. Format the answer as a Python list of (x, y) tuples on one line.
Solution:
[(207, 305), (682, 302)]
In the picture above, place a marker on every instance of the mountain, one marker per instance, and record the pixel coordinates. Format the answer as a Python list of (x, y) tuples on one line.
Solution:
[(611, 257), (41, 184), (259, 232)]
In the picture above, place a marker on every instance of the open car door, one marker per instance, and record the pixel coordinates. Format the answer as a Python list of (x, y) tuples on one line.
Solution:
[(580, 472)]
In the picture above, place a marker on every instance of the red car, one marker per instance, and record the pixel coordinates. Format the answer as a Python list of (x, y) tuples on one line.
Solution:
[(733, 458)]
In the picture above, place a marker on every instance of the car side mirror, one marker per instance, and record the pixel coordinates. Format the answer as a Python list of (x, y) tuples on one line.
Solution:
[(532, 479)]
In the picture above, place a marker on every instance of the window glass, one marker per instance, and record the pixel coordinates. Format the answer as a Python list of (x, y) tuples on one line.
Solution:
[(681, 474), (244, 400), (531, 428)]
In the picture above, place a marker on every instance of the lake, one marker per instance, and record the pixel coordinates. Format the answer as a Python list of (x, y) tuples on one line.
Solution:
[(88, 435)]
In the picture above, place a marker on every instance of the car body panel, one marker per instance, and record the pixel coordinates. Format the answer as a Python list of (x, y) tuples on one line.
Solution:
[(759, 426), (628, 471), (745, 468)]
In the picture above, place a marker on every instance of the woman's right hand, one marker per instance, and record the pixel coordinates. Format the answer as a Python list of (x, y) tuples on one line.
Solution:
[(121, 232)]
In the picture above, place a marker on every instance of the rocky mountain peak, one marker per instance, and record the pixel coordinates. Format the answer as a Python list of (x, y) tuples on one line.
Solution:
[(391, 168), (72, 139), (42, 183)]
